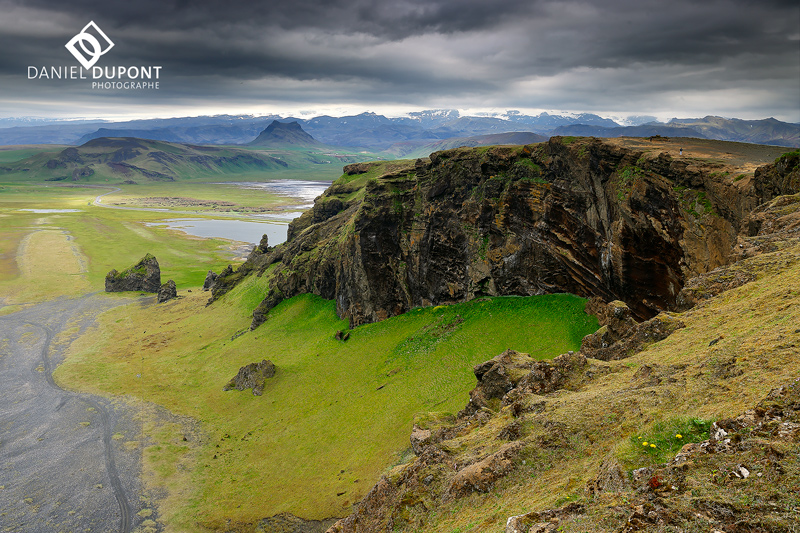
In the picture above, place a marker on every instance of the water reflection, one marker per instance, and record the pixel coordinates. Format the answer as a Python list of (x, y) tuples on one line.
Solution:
[(274, 225), (235, 230), (305, 191)]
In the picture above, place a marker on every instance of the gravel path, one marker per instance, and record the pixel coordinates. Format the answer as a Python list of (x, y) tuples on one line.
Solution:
[(68, 461)]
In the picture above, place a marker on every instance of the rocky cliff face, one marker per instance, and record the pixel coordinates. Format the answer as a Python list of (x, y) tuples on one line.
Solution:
[(571, 215), (143, 276), (534, 431)]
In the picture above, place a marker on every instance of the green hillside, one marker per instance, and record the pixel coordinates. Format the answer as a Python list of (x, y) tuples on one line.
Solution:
[(120, 159), (333, 418)]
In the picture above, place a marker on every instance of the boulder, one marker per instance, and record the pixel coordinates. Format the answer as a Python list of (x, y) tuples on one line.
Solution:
[(168, 291), (481, 476), (547, 377), (546, 521), (143, 276), (252, 376), (495, 378)]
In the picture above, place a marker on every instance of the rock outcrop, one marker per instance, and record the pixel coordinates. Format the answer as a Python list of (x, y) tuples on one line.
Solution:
[(211, 277), (773, 226), (496, 377), (167, 291), (571, 215), (252, 376), (782, 178), (144, 276), (620, 336)]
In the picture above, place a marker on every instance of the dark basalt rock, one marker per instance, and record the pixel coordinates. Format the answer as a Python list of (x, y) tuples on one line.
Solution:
[(211, 277), (779, 179), (263, 245), (252, 376), (167, 291), (144, 276), (570, 215)]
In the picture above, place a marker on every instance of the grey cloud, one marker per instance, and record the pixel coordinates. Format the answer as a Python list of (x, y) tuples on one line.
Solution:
[(419, 51)]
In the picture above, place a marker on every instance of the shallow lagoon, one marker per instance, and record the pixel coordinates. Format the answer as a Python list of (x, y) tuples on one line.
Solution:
[(304, 190), (235, 230), (274, 225)]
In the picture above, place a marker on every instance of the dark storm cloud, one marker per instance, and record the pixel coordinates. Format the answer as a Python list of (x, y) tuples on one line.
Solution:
[(515, 53), (396, 19)]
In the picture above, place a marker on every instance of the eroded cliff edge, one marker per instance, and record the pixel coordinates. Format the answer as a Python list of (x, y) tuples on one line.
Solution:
[(578, 215)]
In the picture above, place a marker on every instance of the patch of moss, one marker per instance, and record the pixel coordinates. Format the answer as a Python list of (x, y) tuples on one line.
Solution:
[(626, 177), (529, 164), (705, 202), (787, 155), (484, 247)]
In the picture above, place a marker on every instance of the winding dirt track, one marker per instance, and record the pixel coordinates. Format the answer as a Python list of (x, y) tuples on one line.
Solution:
[(60, 468)]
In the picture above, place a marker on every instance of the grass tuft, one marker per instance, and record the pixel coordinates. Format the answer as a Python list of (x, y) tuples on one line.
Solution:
[(664, 439)]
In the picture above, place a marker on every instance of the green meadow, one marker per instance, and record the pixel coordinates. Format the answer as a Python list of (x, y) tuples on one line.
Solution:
[(125, 159), (45, 255), (335, 415)]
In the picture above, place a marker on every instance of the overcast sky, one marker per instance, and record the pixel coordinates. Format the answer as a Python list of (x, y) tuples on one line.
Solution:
[(677, 58)]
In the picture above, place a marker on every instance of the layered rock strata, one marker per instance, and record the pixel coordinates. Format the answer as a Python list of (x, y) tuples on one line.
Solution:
[(583, 216)]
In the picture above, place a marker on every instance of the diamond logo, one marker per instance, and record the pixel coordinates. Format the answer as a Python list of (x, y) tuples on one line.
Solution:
[(89, 45)]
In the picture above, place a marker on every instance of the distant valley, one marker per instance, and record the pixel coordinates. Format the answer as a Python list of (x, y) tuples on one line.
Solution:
[(279, 147)]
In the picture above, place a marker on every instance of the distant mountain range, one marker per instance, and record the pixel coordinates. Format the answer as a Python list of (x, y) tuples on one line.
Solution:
[(377, 133), (767, 131)]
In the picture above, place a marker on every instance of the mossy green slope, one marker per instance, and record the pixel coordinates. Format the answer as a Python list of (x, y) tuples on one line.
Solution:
[(116, 159), (335, 415), (576, 443)]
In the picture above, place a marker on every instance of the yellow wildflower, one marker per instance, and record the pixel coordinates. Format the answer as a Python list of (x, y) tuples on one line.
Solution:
[(652, 445), (678, 436), (644, 443)]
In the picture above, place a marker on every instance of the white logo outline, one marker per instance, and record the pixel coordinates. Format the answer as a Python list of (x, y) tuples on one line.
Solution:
[(84, 38)]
